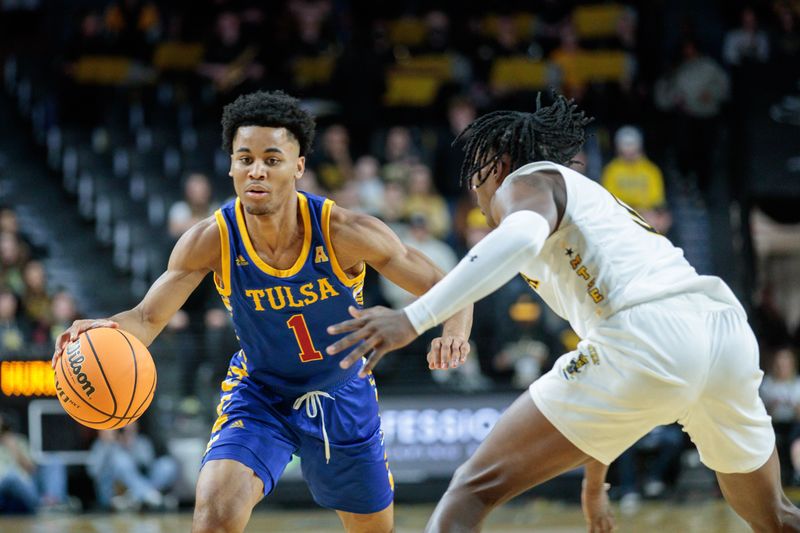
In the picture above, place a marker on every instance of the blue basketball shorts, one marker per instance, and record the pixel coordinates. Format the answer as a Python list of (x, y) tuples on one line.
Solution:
[(262, 430)]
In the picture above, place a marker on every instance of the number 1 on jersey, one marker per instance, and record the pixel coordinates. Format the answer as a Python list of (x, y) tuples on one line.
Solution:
[(307, 351)]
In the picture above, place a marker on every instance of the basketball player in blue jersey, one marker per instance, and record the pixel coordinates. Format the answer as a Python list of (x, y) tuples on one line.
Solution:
[(660, 343), (287, 264)]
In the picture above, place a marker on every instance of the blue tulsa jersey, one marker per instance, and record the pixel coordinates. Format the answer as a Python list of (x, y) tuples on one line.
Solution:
[(281, 316)]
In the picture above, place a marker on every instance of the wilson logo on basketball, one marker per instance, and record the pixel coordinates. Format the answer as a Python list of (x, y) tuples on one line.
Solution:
[(75, 358)]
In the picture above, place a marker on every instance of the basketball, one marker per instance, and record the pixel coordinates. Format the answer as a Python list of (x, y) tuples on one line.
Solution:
[(105, 379)]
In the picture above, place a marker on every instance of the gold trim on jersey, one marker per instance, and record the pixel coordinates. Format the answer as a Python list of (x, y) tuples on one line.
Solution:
[(327, 207), (260, 263), (224, 284)]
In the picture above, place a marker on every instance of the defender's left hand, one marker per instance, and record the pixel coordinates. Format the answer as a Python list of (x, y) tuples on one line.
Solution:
[(448, 351), (596, 509), (381, 330)]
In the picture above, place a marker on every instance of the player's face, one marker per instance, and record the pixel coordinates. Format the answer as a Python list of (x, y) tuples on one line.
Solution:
[(265, 164), (484, 190)]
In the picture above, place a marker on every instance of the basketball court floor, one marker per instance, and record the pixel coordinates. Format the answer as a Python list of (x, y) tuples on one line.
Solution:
[(710, 516)]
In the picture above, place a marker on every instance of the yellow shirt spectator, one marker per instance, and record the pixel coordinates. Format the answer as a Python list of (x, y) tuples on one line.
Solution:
[(638, 183)]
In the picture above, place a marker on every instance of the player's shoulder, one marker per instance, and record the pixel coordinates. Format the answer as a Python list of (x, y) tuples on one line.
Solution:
[(199, 246), (359, 234), (350, 223)]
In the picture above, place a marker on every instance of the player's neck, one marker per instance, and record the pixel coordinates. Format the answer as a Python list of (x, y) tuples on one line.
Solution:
[(275, 231)]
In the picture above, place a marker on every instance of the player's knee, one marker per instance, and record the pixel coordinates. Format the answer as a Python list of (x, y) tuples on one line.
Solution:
[(482, 484), (217, 515)]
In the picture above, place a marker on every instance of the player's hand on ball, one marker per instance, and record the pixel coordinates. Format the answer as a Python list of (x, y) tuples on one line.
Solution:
[(378, 329), (448, 351), (596, 509), (78, 327)]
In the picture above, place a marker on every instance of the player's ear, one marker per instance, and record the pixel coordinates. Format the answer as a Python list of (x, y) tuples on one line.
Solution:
[(502, 168), (301, 167)]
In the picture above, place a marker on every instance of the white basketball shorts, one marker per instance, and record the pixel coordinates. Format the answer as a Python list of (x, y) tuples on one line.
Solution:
[(686, 358)]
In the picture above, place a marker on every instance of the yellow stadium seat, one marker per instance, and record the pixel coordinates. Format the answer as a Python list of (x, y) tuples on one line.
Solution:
[(437, 65), (518, 73), (313, 70), (596, 21), (175, 55), (407, 31), (605, 66), (406, 89), (102, 70)]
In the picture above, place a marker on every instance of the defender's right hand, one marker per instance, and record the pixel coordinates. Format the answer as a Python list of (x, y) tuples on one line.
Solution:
[(78, 327)]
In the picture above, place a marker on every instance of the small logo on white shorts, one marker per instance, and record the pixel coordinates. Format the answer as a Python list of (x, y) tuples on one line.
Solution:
[(577, 364)]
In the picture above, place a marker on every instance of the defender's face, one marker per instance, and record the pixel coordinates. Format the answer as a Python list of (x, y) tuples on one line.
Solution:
[(265, 164), (484, 192)]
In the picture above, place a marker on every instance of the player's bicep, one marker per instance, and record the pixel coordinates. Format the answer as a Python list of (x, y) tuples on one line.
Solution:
[(360, 237)]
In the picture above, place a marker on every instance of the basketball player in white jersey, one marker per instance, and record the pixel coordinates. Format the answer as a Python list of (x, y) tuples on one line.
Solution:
[(660, 343)]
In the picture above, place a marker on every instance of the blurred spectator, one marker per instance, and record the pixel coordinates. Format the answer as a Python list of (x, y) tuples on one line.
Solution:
[(695, 92), (525, 344), (746, 44), (399, 154), (312, 32), (780, 391), (63, 311), (786, 39), (420, 237), (13, 257), (26, 487), (422, 198), (36, 304), (35, 299), (660, 450), (394, 207), (195, 206), (636, 180), (12, 331), (460, 113), (309, 182), (333, 162), (369, 185), (18, 493), (229, 61), (127, 458), (551, 16), (347, 196), (133, 24), (567, 57), (9, 223)]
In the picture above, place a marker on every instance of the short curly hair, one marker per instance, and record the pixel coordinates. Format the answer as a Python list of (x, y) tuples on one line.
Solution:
[(274, 109)]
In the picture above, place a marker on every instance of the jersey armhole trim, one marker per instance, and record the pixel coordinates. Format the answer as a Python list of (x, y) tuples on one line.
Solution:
[(327, 207), (224, 284)]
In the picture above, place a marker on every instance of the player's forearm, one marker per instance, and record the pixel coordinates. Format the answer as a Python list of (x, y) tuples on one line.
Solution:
[(138, 323), (501, 255), (460, 324), (594, 476)]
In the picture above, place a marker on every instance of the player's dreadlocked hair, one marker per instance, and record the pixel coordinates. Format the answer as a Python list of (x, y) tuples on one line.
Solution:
[(269, 109), (552, 133)]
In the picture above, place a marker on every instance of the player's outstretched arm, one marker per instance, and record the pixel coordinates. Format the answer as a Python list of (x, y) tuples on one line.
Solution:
[(361, 238), (527, 209), (196, 253)]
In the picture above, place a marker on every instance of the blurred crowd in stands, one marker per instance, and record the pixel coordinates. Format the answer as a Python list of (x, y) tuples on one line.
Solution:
[(133, 89)]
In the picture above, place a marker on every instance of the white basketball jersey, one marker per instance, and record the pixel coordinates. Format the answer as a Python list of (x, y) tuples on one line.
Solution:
[(604, 257)]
